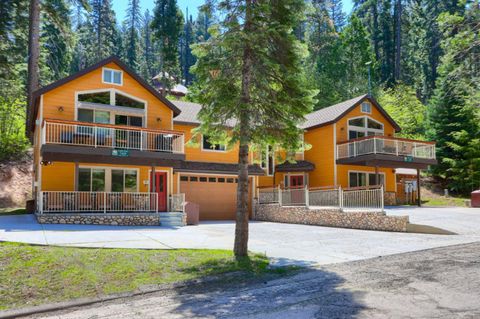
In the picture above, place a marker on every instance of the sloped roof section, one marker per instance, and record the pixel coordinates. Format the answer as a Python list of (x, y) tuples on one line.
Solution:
[(333, 113), (325, 116), (36, 95), (298, 166), (188, 112)]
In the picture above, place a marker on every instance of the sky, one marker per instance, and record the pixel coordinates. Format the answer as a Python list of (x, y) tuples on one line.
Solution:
[(120, 6)]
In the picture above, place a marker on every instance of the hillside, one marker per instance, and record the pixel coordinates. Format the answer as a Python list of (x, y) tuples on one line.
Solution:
[(16, 181)]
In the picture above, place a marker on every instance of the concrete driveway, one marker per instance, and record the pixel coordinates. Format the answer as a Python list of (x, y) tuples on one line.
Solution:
[(284, 243)]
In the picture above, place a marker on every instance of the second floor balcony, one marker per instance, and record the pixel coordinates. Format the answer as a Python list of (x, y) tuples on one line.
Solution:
[(386, 152), (97, 141)]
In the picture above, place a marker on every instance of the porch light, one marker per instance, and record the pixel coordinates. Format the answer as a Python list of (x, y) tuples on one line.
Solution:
[(159, 119), (60, 109), (46, 163)]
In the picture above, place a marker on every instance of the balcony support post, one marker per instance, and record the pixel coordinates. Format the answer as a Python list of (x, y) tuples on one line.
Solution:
[(419, 199), (376, 176)]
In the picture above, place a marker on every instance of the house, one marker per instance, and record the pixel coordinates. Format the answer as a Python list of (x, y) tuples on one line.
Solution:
[(109, 148)]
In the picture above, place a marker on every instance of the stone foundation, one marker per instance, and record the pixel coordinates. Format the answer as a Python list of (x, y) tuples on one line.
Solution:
[(390, 199), (332, 217), (116, 219)]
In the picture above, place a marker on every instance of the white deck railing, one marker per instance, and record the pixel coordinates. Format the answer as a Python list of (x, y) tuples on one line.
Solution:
[(352, 199), (96, 202), (384, 145), (109, 136), (177, 202)]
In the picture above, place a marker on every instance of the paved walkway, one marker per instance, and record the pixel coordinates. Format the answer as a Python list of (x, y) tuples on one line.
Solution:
[(437, 283), (285, 243)]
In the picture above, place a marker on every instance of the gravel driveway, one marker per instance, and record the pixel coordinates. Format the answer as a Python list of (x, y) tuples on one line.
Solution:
[(436, 283)]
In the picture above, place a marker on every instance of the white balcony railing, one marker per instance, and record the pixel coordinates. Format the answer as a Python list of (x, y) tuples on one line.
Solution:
[(351, 199), (384, 145), (109, 136), (96, 202)]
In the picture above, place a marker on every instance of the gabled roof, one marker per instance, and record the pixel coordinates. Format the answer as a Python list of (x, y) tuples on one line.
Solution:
[(188, 112), (333, 113), (298, 166), (325, 116), (114, 59)]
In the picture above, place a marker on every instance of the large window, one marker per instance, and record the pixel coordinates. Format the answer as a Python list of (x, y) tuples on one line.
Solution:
[(97, 97), (128, 120), (122, 100), (362, 179), (112, 76), (93, 116), (91, 180), (364, 126), (107, 179), (206, 145), (268, 160)]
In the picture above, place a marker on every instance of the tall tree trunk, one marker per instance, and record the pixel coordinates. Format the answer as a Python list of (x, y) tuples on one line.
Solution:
[(241, 227), (33, 56), (376, 46), (398, 39)]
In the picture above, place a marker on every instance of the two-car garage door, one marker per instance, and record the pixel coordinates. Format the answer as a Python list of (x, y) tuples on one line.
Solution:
[(216, 195)]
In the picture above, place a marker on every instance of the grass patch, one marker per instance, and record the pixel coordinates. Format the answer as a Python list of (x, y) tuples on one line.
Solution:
[(12, 211), (32, 275), (444, 201)]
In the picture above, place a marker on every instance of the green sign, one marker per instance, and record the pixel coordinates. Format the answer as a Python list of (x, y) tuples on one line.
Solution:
[(121, 153), (408, 158)]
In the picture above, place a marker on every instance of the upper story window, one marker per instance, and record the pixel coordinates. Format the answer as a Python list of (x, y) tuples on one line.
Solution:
[(268, 160), (207, 146), (364, 126), (366, 107), (111, 98), (112, 76)]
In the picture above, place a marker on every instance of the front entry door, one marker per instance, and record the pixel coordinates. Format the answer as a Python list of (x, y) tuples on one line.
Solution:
[(296, 190), (160, 183)]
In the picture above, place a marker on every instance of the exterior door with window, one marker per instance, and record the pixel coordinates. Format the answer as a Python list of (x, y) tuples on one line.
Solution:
[(159, 180), (297, 190)]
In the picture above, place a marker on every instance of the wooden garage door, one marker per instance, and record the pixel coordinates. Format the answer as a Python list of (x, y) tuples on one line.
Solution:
[(216, 195)]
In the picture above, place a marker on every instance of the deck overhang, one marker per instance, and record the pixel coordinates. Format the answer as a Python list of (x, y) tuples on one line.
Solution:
[(387, 160), (85, 154)]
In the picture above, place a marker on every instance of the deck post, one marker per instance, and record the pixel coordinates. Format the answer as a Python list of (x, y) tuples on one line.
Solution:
[(279, 195), (419, 201), (307, 197), (104, 202)]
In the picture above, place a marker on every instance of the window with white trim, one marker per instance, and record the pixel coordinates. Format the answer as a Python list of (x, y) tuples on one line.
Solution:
[(107, 179), (112, 76), (362, 179), (207, 146), (268, 160), (364, 126), (366, 107)]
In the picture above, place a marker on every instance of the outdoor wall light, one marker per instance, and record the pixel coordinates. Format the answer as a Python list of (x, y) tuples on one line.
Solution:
[(342, 129), (46, 163), (60, 109), (159, 119)]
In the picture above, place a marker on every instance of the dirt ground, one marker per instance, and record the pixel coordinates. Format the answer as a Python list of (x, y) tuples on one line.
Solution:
[(16, 182)]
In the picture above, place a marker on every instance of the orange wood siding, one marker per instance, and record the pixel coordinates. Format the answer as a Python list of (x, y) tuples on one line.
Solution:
[(198, 154), (322, 155), (64, 96), (60, 176)]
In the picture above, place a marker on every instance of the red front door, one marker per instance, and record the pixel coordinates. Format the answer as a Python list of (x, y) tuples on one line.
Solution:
[(160, 183), (296, 181), (296, 190)]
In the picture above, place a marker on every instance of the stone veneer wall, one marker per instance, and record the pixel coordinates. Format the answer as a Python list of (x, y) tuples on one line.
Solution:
[(332, 217), (113, 219), (390, 199)]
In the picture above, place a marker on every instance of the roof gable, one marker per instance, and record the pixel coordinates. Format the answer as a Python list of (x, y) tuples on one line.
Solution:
[(112, 59), (333, 113)]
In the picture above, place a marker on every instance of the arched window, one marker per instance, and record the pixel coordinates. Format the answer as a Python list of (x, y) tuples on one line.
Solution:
[(364, 126)]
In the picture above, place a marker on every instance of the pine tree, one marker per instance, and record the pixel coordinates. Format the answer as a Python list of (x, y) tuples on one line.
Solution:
[(133, 22), (166, 27), (453, 115), (186, 57), (104, 28), (262, 88), (147, 67)]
